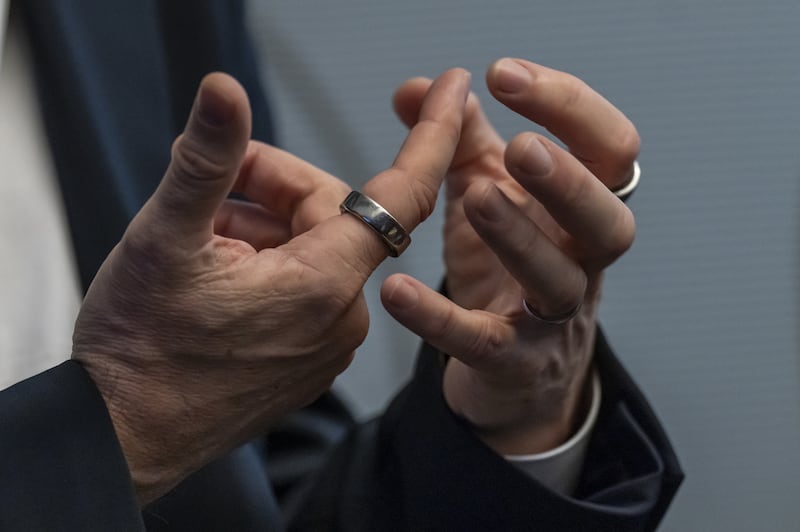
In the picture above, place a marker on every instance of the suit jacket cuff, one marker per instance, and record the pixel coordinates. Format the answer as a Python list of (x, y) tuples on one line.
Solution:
[(61, 465), (629, 477)]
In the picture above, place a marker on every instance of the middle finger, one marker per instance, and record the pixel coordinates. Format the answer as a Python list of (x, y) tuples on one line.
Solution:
[(601, 225), (595, 131), (551, 281)]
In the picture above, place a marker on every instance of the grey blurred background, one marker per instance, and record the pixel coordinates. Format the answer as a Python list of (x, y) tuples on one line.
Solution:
[(704, 309)]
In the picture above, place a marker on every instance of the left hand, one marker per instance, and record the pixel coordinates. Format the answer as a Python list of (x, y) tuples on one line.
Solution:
[(531, 220), (206, 323)]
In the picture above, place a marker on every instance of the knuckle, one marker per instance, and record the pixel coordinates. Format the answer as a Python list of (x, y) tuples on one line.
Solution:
[(554, 370), (560, 297), (628, 144), (575, 193), (447, 322), (484, 345), (571, 293), (191, 161), (488, 345), (450, 128), (626, 149), (423, 195), (141, 243), (574, 91), (518, 241), (622, 235), (623, 149)]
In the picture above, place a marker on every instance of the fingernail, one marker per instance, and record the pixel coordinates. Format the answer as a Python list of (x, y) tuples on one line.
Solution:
[(493, 204), (403, 295), (535, 159), (213, 108), (511, 77)]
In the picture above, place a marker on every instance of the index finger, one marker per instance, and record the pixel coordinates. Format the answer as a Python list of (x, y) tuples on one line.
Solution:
[(408, 189), (596, 132)]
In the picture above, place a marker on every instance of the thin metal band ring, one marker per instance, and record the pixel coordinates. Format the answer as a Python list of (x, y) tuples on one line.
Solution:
[(550, 320), (626, 191), (379, 220)]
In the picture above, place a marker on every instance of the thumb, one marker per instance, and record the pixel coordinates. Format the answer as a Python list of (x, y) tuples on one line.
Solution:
[(205, 160)]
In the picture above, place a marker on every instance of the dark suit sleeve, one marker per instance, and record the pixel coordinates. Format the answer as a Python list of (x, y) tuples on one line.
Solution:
[(417, 468), (420, 468), (61, 466)]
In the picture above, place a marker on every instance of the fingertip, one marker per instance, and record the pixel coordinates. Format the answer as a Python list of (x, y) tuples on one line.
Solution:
[(398, 293), (214, 107), (220, 99), (528, 155), (206, 157), (408, 98), (458, 76), (417, 84), (465, 74), (485, 200), (509, 76), (465, 77), (472, 107)]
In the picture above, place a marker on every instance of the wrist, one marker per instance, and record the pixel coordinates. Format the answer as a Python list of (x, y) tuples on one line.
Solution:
[(580, 436), (525, 422), (560, 468), (154, 469)]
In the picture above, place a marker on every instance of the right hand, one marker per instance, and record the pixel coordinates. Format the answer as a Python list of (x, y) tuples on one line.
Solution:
[(524, 220), (211, 319)]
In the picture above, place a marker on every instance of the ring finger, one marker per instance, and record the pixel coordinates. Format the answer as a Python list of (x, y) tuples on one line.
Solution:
[(601, 226), (552, 283)]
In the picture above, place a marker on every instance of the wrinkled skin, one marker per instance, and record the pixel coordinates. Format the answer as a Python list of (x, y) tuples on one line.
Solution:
[(212, 318)]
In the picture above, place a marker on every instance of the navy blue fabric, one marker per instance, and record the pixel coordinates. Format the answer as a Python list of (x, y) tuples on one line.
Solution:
[(232, 493), (61, 467), (116, 80), (421, 468)]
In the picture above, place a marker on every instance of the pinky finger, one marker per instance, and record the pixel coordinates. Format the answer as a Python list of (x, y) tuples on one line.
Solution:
[(476, 338)]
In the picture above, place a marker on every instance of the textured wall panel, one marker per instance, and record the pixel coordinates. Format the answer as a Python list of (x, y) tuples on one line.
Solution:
[(704, 308)]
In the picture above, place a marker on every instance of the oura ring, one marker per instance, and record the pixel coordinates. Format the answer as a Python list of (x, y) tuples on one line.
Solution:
[(379, 220), (550, 320), (625, 191)]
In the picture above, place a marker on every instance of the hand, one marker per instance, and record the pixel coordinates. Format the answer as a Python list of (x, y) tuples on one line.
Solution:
[(212, 318), (524, 220)]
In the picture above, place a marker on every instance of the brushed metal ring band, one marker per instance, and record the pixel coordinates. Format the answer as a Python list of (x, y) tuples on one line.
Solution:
[(550, 320), (379, 220), (626, 191)]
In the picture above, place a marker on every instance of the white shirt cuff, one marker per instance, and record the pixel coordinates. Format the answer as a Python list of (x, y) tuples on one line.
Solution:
[(560, 469)]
